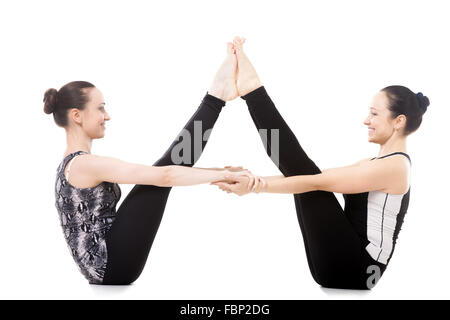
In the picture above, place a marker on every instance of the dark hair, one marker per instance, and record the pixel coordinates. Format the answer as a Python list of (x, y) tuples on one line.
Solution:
[(71, 95), (403, 101)]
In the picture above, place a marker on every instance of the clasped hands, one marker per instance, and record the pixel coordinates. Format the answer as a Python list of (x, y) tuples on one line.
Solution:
[(241, 181)]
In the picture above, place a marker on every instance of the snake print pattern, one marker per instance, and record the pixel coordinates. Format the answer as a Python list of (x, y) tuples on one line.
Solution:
[(86, 214)]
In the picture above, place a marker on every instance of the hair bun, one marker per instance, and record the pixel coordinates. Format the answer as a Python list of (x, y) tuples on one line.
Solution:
[(50, 100), (424, 102)]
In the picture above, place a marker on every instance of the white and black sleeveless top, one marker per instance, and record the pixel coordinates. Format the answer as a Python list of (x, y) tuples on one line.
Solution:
[(86, 214), (377, 218)]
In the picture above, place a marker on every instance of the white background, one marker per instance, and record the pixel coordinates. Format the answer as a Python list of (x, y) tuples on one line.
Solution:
[(321, 62)]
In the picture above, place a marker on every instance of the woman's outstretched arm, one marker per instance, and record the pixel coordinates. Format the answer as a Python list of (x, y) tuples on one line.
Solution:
[(118, 171), (382, 175)]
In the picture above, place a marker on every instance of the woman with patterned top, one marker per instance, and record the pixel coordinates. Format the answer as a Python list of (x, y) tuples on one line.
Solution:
[(112, 247)]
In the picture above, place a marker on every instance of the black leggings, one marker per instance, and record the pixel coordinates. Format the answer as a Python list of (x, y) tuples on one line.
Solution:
[(336, 255), (138, 218)]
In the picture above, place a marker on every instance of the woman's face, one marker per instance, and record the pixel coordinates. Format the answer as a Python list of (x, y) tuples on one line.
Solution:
[(94, 115), (379, 122)]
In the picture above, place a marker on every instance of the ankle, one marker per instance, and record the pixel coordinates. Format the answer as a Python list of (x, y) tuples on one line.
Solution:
[(219, 94), (250, 85)]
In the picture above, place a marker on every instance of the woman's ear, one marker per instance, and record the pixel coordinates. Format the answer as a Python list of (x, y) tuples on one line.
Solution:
[(76, 115), (400, 122)]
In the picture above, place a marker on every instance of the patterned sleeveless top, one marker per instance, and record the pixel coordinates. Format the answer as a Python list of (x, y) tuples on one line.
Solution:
[(86, 214)]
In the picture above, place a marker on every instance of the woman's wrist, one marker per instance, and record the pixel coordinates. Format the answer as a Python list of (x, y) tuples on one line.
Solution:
[(224, 174)]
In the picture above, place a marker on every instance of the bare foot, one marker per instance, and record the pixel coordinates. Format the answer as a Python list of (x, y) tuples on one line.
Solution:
[(224, 83), (247, 78)]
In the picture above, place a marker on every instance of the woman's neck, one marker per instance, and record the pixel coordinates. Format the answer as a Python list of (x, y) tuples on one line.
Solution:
[(77, 140), (393, 145)]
